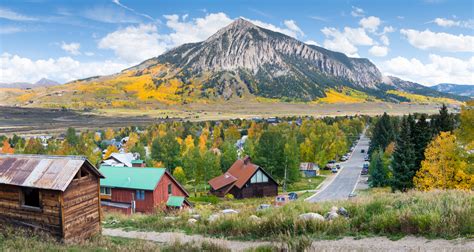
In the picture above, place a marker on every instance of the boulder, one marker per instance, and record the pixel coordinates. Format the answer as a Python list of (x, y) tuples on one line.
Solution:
[(196, 216), (229, 211), (343, 212), (213, 217), (311, 216), (192, 221), (333, 209), (331, 216), (254, 218)]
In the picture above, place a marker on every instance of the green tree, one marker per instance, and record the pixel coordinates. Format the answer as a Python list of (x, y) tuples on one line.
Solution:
[(71, 136), (179, 175), (140, 149), (34, 146), (291, 153), (228, 156), (383, 133), (269, 153), (444, 121), (165, 149), (421, 137), (378, 171), (403, 162)]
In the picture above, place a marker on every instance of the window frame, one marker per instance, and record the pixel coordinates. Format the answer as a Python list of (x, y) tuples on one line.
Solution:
[(23, 204), (105, 188), (140, 195)]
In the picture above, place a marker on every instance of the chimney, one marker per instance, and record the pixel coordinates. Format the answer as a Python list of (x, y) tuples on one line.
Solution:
[(138, 163), (247, 160)]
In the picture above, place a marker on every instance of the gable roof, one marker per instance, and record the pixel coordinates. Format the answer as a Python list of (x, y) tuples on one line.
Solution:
[(138, 178), (238, 174), (123, 158), (42, 171)]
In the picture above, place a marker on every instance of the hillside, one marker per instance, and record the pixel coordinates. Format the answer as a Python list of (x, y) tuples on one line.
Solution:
[(457, 89), (240, 61)]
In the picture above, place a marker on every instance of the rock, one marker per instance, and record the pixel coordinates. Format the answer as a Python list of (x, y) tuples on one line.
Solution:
[(192, 221), (229, 211), (171, 218), (196, 216), (343, 212), (333, 209), (311, 216), (331, 216), (213, 217), (254, 218)]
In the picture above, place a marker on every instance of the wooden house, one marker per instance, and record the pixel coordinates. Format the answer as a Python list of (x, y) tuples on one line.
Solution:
[(56, 194), (140, 189), (244, 180)]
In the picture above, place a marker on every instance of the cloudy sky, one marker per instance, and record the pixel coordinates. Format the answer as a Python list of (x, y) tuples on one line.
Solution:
[(427, 41)]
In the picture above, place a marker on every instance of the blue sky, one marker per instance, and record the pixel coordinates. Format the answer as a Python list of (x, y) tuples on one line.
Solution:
[(427, 41)]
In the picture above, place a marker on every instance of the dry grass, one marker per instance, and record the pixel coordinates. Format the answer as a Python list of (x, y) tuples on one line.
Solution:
[(433, 215)]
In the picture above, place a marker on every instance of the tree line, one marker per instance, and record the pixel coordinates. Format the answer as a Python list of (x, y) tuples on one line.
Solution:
[(423, 152)]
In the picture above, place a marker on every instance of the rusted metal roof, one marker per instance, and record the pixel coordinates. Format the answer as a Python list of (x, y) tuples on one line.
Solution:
[(41, 171), (222, 180)]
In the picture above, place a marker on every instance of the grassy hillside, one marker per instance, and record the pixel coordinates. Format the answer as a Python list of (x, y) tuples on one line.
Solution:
[(442, 214)]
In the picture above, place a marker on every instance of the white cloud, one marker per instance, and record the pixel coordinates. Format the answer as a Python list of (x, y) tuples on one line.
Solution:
[(11, 15), (378, 51), (14, 68), (443, 41), (347, 40), (370, 23), (194, 30), (89, 54), (117, 2), (111, 14), (385, 40), (444, 22), (290, 29), (10, 29), (312, 42), (357, 12), (438, 70), (134, 43), (72, 48)]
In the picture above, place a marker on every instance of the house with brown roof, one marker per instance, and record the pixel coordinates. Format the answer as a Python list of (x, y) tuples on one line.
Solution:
[(244, 180), (56, 194)]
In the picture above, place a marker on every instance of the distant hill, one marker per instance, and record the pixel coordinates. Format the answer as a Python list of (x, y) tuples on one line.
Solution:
[(25, 85), (458, 89)]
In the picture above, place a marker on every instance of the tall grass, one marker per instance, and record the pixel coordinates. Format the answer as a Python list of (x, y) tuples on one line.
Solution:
[(439, 214)]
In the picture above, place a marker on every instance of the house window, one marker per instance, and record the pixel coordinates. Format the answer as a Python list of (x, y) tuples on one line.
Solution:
[(140, 195), (105, 191), (31, 197), (170, 188), (259, 177)]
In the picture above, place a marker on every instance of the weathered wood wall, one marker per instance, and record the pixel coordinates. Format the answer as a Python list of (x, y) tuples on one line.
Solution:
[(81, 208), (255, 190), (48, 218)]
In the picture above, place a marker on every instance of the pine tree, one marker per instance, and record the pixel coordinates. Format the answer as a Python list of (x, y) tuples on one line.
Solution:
[(421, 137), (377, 170), (383, 133), (443, 122), (403, 162)]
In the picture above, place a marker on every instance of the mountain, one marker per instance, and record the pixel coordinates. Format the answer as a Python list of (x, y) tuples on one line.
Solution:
[(458, 89), (26, 85), (240, 61)]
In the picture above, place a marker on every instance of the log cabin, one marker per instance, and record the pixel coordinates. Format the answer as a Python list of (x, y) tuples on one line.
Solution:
[(58, 195), (141, 189), (244, 180)]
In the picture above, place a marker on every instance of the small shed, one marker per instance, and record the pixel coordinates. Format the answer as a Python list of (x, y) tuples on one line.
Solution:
[(309, 170), (244, 180), (56, 194), (140, 189)]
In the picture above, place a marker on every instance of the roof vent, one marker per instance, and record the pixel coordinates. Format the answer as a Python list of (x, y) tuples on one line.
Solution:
[(247, 160)]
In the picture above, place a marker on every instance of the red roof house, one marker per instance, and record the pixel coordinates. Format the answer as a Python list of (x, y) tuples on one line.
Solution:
[(244, 180)]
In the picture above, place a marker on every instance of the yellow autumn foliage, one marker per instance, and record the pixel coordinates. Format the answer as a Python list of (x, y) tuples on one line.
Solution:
[(422, 98), (444, 166), (346, 95)]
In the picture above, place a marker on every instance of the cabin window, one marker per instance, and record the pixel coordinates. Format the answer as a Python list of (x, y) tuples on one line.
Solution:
[(259, 177), (170, 188), (140, 195), (105, 191), (31, 197)]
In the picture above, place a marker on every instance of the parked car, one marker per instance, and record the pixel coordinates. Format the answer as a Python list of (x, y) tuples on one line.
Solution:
[(344, 158), (330, 165), (293, 196), (365, 166), (338, 166), (362, 151), (352, 195), (334, 170), (364, 172), (366, 158)]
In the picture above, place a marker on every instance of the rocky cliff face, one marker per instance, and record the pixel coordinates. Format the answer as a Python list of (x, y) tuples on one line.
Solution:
[(243, 57)]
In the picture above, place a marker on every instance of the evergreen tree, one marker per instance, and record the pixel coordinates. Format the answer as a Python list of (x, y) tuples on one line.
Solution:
[(421, 137), (291, 152), (71, 136), (443, 122), (383, 133), (403, 162), (377, 170)]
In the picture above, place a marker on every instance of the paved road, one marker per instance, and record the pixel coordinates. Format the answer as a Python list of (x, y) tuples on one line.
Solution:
[(344, 183)]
